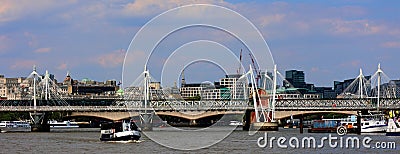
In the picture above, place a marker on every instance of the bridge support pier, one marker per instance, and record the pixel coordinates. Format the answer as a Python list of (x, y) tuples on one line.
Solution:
[(301, 123), (192, 122), (39, 122), (146, 121), (247, 120), (359, 123)]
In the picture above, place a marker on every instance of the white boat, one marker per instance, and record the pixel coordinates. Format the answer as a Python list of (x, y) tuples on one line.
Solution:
[(235, 123), (15, 126), (119, 131), (393, 124), (393, 127), (374, 122), (63, 124)]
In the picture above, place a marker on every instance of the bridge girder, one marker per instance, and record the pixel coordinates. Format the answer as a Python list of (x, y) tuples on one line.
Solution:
[(286, 114)]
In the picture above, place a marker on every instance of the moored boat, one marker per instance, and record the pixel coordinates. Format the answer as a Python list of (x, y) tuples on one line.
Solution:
[(393, 128), (332, 125), (324, 126), (119, 131), (15, 126), (235, 123), (63, 124), (374, 122)]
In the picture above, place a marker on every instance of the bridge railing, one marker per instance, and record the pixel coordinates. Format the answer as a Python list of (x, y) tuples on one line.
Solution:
[(186, 105), (281, 104), (353, 104)]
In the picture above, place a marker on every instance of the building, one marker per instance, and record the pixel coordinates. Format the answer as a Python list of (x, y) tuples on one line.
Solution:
[(391, 89), (296, 78), (266, 80), (88, 87), (325, 92), (297, 82), (192, 90), (235, 87), (225, 88), (13, 88), (3, 89), (216, 94)]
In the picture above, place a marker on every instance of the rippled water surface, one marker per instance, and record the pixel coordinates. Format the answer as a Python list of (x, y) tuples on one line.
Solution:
[(87, 141)]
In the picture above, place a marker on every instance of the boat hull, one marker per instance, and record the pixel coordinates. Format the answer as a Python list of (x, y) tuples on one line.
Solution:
[(374, 129), (393, 128), (121, 136), (392, 133), (17, 129), (15, 126), (264, 126)]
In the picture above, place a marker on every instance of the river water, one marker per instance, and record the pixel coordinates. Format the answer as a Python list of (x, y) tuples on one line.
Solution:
[(87, 141)]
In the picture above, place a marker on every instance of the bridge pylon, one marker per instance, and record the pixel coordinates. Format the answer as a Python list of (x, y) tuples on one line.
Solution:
[(263, 116), (39, 119), (39, 122), (146, 121)]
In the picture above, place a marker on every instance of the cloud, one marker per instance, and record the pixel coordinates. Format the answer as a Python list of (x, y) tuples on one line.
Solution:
[(62, 66), (391, 44), (32, 40), (360, 27), (42, 50), (5, 11), (269, 19), (23, 64), (112, 59), (150, 7), (11, 10), (4, 43), (314, 69), (353, 63)]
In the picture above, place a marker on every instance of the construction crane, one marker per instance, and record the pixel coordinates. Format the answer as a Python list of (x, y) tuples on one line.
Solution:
[(240, 63), (256, 68)]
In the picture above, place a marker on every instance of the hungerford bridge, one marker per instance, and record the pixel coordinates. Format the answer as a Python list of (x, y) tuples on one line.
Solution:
[(46, 98)]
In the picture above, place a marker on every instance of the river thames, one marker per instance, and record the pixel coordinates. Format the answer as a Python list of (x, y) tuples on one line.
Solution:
[(87, 141)]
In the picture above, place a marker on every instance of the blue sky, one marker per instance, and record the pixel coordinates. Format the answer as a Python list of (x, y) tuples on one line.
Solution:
[(329, 40)]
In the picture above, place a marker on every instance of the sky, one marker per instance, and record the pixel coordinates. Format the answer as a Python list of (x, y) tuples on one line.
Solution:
[(328, 40)]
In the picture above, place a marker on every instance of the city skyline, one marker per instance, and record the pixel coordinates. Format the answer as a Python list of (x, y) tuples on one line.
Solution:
[(328, 40), (191, 81)]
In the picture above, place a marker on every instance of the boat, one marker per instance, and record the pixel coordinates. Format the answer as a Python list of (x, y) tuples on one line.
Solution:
[(324, 126), (334, 125), (15, 126), (124, 130), (393, 128), (235, 123), (374, 122), (63, 124), (292, 123)]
